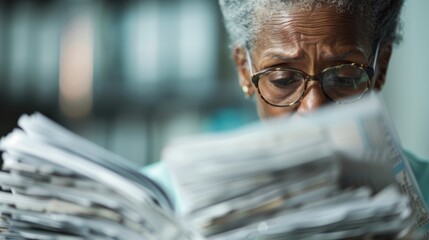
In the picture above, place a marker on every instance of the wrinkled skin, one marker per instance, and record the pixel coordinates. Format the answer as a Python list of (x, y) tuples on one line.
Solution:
[(309, 41)]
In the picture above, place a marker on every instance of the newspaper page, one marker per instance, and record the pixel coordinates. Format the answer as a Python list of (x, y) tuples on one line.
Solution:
[(374, 133), (57, 185), (251, 182)]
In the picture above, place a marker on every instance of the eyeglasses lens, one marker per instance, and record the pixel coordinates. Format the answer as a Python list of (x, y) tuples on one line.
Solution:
[(345, 84), (342, 84)]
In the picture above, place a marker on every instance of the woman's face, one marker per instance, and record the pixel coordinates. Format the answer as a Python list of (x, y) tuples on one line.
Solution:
[(309, 41)]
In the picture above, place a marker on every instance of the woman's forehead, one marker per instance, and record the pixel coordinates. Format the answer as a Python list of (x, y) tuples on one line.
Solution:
[(324, 28)]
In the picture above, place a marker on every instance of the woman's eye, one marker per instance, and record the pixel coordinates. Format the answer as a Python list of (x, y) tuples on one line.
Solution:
[(346, 81), (285, 83)]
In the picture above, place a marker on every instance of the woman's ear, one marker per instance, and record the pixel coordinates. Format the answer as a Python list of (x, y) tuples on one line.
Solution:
[(382, 65), (240, 59)]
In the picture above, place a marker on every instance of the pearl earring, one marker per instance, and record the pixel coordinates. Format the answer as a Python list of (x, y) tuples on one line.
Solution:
[(246, 91)]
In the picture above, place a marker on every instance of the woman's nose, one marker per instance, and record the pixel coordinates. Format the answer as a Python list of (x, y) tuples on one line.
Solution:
[(313, 98)]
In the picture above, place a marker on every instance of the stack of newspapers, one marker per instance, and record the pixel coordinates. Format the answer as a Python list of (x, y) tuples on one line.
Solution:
[(57, 185), (337, 174)]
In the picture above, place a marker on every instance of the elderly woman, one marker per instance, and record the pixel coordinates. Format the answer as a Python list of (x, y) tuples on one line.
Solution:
[(295, 56), (298, 55)]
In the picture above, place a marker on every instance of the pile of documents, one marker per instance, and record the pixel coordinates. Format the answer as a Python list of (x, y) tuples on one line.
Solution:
[(326, 176), (337, 174), (56, 185)]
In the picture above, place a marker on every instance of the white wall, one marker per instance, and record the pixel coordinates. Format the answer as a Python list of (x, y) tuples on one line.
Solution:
[(407, 88)]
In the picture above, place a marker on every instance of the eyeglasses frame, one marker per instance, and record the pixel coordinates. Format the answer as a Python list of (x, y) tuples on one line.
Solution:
[(254, 78), (257, 76)]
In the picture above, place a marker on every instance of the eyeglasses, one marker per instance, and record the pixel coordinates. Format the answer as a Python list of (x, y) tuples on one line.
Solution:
[(284, 87)]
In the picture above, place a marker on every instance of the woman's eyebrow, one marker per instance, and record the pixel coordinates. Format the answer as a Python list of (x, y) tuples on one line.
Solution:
[(284, 57), (344, 55), (278, 56), (270, 59)]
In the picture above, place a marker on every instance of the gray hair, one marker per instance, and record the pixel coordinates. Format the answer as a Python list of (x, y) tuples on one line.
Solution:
[(244, 18)]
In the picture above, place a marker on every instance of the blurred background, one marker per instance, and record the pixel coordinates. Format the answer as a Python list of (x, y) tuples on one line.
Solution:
[(129, 75)]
